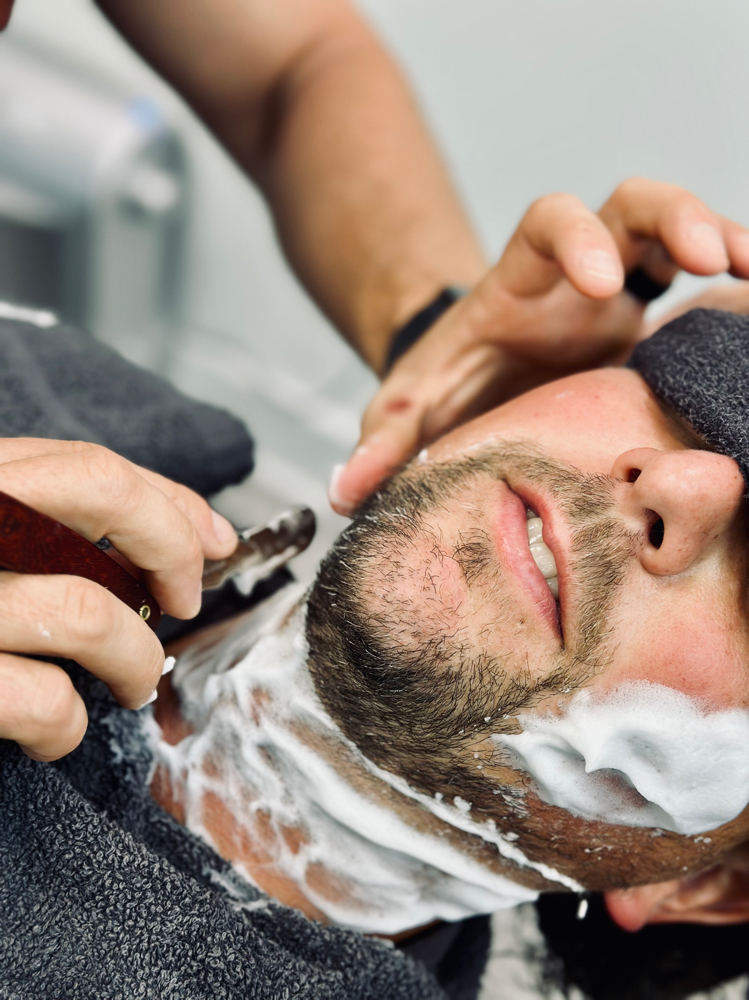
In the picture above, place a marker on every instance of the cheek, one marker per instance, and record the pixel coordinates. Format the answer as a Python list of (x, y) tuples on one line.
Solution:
[(421, 586), (692, 650), (586, 420)]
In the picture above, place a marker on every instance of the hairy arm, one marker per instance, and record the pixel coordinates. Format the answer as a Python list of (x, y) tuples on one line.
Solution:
[(304, 96)]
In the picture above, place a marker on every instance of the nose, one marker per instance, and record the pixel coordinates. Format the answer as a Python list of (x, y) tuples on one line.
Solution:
[(681, 503)]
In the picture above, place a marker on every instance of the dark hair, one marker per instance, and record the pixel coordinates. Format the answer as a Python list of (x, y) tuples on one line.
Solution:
[(411, 711), (418, 706), (412, 694)]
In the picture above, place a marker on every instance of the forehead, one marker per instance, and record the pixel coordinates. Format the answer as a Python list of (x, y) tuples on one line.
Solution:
[(586, 420)]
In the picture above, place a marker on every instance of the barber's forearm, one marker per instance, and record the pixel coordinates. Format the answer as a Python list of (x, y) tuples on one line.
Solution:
[(364, 207), (308, 102)]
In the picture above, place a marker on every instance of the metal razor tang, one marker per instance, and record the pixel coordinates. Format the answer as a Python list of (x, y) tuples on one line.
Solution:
[(273, 543)]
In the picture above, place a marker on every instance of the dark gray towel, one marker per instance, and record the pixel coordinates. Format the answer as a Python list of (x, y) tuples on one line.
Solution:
[(102, 894), (60, 383), (699, 365)]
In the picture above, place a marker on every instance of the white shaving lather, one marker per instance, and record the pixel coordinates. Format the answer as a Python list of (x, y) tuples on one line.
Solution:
[(401, 876), (643, 755)]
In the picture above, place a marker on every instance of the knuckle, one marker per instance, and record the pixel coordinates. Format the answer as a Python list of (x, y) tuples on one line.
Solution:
[(630, 189), (55, 702), (84, 449), (113, 476), (552, 204), (683, 201), (88, 613)]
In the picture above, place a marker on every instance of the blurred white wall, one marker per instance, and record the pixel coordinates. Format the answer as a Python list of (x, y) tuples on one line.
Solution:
[(525, 98)]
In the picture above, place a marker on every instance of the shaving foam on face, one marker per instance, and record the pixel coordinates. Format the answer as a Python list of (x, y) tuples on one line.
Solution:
[(252, 702), (644, 755)]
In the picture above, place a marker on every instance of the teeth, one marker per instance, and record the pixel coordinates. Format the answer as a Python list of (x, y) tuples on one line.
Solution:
[(535, 528), (542, 555)]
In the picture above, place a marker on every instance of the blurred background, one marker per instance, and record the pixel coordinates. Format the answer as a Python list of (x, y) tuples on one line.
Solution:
[(119, 211)]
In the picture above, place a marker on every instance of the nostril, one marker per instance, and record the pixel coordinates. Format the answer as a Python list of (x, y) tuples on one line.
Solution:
[(633, 475), (656, 533)]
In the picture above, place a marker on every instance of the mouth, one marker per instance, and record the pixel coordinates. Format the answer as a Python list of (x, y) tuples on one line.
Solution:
[(542, 554), (526, 555)]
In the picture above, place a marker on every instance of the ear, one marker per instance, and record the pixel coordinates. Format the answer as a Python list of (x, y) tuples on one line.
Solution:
[(717, 896)]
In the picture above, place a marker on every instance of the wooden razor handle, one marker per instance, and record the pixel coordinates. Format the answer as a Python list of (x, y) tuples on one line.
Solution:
[(31, 542)]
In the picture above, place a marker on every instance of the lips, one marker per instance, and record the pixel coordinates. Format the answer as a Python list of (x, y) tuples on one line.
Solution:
[(511, 537)]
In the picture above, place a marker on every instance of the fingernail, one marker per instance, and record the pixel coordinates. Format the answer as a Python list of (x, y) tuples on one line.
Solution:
[(334, 496), (199, 598), (601, 264), (707, 237), (168, 665), (150, 699), (222, 529)]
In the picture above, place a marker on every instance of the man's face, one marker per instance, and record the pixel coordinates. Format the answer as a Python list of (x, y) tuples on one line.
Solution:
[(659, 588), (648, 537)]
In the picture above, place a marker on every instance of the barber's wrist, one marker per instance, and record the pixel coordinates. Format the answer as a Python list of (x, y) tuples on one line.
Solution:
[(410, 332)]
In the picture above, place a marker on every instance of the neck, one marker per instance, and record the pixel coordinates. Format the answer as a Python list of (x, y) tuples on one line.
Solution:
[(254, 765)]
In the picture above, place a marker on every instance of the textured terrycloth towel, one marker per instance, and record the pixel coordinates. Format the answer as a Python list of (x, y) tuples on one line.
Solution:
[(699, 365), (102, 894), (60, 383)]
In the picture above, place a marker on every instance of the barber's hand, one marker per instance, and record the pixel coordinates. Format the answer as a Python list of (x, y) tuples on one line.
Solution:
[(552, 305), (162, 528), (733, 297)]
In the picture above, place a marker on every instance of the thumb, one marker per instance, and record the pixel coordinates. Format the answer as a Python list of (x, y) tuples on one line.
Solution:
[(434, 387), (380, 451)]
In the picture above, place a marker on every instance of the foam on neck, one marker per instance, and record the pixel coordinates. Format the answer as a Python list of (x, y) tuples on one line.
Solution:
[(404, 878), (645, 755)]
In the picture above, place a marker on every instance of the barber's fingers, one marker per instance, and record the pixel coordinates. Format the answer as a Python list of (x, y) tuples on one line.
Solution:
[(97, 493), (558, 236), (694, 237), (372, 462), (733, 298), (737, 244), (522, 310), (216, 534), (70, 616), (39, 708), (424, 397)]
